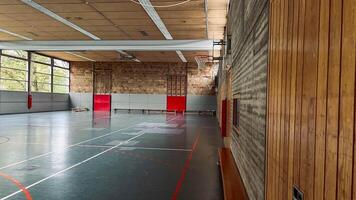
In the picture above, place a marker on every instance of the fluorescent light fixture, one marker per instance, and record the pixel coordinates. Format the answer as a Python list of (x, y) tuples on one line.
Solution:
[(44, 10), (109, 45), (150, 10), (58, 18), (181, 56), (80, 56), (206, 18), (146, 4), (15, 34), (29, 39)]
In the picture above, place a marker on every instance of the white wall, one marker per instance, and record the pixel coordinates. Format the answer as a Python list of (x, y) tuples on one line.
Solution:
[(196, 102), (143, 101), (139, 101), (82, 100), (16, 102)]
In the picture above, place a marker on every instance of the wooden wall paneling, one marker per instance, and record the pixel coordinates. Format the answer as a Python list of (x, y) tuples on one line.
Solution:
[(285, 100), (321, 99), (347, 103), (293, 63), (354, 170), (299, 89), (332, 127), (279, 101), (269, 161), (292, 39), (274, 99), (309, 98), (277, 94), (289, 42)]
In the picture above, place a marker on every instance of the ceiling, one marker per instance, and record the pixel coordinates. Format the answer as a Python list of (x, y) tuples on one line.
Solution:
[(114, 20)]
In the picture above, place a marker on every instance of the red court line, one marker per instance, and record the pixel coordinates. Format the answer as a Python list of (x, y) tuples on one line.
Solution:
[(18, 184), (185, 169)]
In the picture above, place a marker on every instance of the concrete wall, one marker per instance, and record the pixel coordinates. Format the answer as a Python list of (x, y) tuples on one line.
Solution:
[(144, 101), (139, 101), (81, 100), (16, 102), (248, 27), (201, 102)]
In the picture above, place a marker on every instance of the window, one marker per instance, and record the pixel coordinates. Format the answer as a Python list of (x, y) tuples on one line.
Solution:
[(46, 74), (40, 73), (228, 45), (60, 76), (236, 112), (13, 70)]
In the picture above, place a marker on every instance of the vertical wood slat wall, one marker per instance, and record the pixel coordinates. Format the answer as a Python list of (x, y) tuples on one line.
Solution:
[(311, 99)]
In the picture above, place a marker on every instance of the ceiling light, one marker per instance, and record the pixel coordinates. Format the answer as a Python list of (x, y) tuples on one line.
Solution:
[(44, 10), (27, 38), (15, 34), (150, 10)]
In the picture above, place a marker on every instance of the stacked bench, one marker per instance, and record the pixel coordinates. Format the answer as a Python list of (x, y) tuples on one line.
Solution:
[(143, 111)]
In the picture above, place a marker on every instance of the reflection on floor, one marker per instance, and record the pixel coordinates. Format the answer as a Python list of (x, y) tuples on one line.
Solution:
[(65, 155)]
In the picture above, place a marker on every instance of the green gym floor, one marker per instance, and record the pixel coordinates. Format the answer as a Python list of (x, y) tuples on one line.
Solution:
[(66, 155)]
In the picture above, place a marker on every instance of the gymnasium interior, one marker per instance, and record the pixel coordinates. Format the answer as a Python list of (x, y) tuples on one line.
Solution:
[(177, 99)]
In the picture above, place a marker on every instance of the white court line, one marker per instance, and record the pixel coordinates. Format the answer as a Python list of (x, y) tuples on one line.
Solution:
[(70, 123), (73, 166), (133, 148), (48, 153)]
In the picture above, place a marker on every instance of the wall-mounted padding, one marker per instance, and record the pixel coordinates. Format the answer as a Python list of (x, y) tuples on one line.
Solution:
[(16, 102), (139, 101), (157, 102), (176, 103), (81, 100), (198, 102), (102, 102)]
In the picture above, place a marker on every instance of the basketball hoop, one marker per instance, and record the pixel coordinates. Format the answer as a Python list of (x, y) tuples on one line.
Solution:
[(201, 61)]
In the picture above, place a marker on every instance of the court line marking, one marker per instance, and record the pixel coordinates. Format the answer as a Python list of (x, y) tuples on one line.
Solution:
[(70, 123), (67, 147), (134, 147), (73, 166), (185, 169), (18, 185)]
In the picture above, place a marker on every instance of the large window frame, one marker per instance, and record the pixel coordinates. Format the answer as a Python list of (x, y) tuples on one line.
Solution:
[(66, 76), (236, 113), (25, 80), (58, 83)]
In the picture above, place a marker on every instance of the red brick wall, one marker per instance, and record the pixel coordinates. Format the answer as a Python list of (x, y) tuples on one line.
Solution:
[(142, 78)]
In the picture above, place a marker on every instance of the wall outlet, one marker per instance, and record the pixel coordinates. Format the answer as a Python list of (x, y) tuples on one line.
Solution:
[(297, 193)]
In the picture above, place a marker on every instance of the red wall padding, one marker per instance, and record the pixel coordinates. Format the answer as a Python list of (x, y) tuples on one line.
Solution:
[(102, 102), (176, 103)]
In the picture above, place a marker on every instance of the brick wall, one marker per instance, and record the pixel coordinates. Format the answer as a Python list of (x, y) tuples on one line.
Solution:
[(142, 78), (248, 26), (81, 77), (201, 81)]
